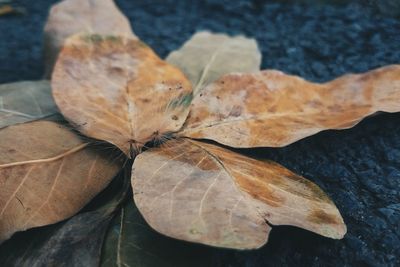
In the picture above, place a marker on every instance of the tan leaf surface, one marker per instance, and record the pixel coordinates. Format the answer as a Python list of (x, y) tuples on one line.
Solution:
[(25, 101), (70, 17), (117, 89), (202, 193), (273, 109), (207, 56), (47, 174)]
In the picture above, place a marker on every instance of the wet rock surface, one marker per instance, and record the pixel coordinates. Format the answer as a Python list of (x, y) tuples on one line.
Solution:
[(359, 168)]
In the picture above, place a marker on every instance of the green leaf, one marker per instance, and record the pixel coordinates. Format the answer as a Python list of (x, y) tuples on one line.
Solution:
[(207, 56), (131, 242), (75, 242), (25, 101)]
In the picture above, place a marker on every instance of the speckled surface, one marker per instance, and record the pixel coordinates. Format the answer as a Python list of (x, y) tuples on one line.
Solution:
[(359, 168)]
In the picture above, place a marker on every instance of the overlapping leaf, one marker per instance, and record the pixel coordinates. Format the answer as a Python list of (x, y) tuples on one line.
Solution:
[(25, 101), (70, 17), (202, 193), (116, 89), (75, 242), (47, 174), (207, 56), (82, 93), (272, 109), (131, 242)]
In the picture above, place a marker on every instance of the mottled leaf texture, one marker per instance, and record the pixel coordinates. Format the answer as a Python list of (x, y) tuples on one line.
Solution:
[(273, 109), (47, 174), (131, 242), (116, 89), (25, 101), (75, 242), (70, 17), (202, 193), (207, 56)]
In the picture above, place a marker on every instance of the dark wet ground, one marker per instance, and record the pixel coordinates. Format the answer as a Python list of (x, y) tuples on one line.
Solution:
[(359, 168)]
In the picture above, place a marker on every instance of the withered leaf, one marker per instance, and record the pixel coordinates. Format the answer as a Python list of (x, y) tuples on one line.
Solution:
[(207, 56), (47, 174), (74, 242), (273, 109), (116, 89), (70, 17), (202, 193), (25, 101), (131, 242)]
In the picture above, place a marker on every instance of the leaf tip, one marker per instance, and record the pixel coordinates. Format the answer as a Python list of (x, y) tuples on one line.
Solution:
[(330, 224)]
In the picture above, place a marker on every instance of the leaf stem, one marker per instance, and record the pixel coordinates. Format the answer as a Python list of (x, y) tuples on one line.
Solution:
[(71, 151), (120, 237)]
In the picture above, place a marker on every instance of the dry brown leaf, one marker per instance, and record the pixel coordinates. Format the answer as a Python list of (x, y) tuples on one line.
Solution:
[(202, 193), (117, 89), (273, 109), (25, 101), (47, 174), (70, 17), (207, 56)]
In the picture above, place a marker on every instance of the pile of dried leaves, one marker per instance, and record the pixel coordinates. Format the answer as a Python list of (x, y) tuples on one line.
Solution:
[(177, 120)]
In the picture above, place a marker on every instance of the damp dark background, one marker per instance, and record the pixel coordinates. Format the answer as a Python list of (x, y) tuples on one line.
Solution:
[(359, 168)]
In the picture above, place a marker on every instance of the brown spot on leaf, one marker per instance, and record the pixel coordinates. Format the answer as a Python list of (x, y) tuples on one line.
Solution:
[(272, 109), (192, 155), (335, 108), (116, 71), (321, 217), (315, 103), (258, 189), (236, 111), (311, 191)]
